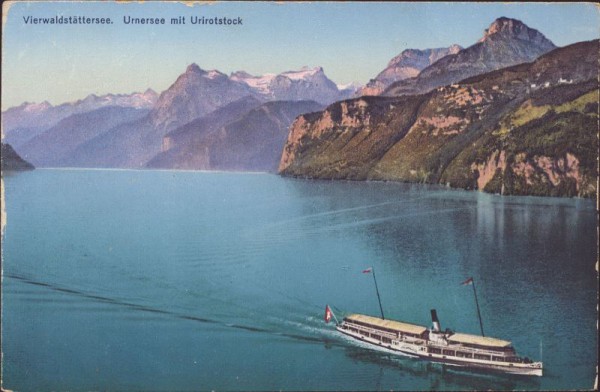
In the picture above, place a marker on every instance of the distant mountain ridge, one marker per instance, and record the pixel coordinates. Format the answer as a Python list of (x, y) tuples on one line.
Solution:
[(182, 148), (244, 135), (406, 65), (55, 146), (24, 122), (198, 92), (131, 138), (194, 93), (305, 84), (505, 43)]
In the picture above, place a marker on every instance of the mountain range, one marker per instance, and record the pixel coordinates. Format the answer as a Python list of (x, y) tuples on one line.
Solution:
[(506, 42), (198, 92), (126, 131), (499, 115), (24, 122)]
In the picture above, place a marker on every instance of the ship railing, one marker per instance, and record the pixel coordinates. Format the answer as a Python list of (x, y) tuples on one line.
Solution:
[(472, 350)]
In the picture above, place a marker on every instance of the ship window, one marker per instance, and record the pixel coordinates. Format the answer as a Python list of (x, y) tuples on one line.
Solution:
[(499, 359), (435, 350), (479, 356), (386, 340), (448, 352), (463, 354)]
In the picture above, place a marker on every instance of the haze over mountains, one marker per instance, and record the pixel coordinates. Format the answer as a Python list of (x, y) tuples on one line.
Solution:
[(57, 145), (212, 121), (127, 131), (23, 122)]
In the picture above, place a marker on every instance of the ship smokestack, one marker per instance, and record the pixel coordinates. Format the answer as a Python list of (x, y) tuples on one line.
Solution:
[(435, 321)]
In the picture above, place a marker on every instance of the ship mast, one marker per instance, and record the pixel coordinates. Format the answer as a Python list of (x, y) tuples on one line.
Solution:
[(478, 312), (471, 282), (377, 290)]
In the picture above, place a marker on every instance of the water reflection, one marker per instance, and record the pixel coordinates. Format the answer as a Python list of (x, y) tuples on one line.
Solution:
[(388, 367)]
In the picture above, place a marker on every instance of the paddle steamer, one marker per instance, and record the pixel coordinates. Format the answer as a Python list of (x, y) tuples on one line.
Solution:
[(432, 344), (447, 347)]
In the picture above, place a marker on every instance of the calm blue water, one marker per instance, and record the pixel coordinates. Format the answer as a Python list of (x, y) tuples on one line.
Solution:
[(148, 280)]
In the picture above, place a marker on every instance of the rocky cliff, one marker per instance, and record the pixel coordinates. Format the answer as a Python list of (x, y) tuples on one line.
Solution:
[(529, 129)]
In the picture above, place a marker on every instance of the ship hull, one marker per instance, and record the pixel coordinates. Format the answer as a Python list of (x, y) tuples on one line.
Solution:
[(418, 351)]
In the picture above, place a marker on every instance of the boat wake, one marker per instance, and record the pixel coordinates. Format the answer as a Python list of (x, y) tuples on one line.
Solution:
[(313, 333)]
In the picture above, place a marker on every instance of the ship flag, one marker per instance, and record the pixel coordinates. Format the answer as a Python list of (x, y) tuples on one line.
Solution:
[(327, 314), (368, 270), (468, 281)]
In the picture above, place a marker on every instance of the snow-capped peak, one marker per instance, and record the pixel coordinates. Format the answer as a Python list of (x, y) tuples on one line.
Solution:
[(304, 73), (261, 83), (349, 86), (213, 74), (303, 84), (36, 107)]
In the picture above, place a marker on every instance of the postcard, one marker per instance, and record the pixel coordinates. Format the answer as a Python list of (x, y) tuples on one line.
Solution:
[(251, 196)]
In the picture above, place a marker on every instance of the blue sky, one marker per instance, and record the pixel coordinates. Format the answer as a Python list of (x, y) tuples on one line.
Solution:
[(351, 41)]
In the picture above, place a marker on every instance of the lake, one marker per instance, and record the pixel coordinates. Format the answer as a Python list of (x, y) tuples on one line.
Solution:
[(163, 280)]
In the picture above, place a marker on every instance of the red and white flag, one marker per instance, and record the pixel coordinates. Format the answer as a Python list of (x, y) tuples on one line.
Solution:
[(468, 281), (368, 270), (327, 314)]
